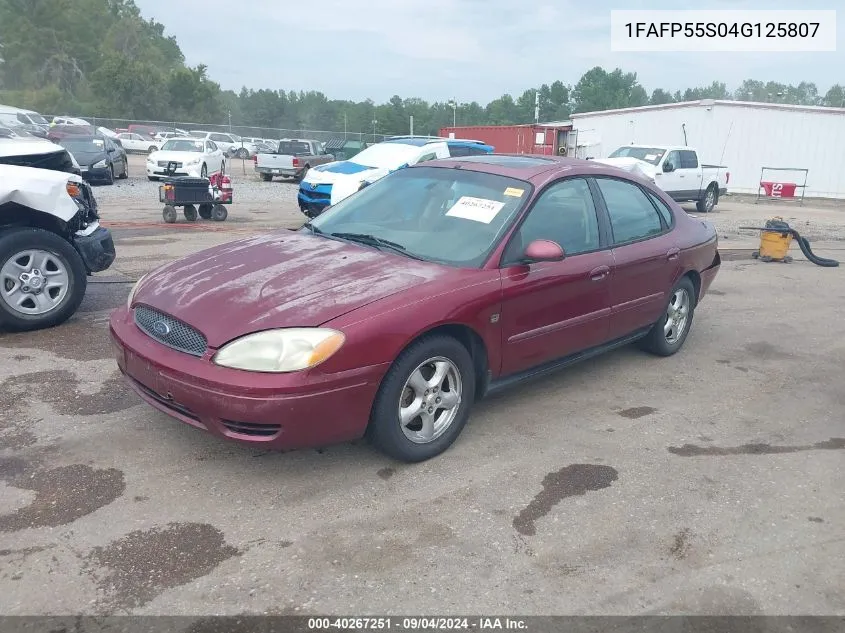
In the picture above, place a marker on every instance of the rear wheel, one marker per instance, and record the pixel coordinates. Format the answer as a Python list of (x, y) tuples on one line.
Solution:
[(671, 330), (110, 180), (190, 212), (266, 177), (205, 211), (152, 178), (424, 400), (169, 214), (243, 153), (151, 149), (219, 213), (42, 279), (707, 202)]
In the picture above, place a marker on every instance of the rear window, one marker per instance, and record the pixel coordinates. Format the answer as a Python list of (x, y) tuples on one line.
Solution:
[(296, 148)]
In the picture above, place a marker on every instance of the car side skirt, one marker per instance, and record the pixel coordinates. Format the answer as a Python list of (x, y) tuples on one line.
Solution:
[(540, 371)]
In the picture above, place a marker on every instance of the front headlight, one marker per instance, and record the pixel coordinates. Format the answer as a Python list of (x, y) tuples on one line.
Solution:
[(99, 164), (133, 291), (195, 161), (279, 351)]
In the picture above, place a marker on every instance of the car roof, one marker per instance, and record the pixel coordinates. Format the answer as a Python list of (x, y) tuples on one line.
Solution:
[(525, 166), (421, 141)]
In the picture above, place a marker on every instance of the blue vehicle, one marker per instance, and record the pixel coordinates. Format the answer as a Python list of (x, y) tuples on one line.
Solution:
[(330, 183)]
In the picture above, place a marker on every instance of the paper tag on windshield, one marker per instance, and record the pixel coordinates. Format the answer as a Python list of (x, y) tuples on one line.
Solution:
[(650, 156), (514, 192), (476, 209)]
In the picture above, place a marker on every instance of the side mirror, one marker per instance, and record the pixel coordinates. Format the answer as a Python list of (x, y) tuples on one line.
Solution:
[(668, 167), (544, 251)]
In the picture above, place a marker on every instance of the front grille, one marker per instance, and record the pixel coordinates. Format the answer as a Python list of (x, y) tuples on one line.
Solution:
[(169, 331), (255, 430)]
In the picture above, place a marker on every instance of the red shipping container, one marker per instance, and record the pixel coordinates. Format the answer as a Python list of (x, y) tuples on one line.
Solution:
[(513, 139)]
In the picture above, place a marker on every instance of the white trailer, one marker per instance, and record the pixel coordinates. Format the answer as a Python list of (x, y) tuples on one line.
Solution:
[(804, 144)]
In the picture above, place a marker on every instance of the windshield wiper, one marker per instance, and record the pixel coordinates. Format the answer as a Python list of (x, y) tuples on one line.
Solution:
[(372, 240), (312, 228)]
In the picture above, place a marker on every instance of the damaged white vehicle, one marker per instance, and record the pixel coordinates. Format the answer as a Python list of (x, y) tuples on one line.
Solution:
[(50, 235)]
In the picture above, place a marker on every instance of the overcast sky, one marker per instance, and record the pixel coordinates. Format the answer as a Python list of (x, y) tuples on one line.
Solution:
[(474, 50)]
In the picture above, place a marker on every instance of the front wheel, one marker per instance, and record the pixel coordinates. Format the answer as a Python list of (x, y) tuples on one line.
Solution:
[(205, 211), (42, 279), (671, 330), (424, 400), (190, 212), (243, 153), (219, 213), (204, 171)]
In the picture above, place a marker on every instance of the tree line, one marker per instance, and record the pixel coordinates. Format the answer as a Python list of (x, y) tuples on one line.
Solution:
[(102, 58)]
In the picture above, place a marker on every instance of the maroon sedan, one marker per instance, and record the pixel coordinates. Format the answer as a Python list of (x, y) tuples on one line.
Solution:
[(392, 313)]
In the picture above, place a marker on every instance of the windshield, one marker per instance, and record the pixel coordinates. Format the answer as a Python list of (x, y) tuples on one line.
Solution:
[(386, 155), (182, 145), (648, 154), (295, 148), (451, 216), (82, 145)]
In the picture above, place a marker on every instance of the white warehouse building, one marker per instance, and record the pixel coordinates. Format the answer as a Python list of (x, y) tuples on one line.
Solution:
[(744, 136)]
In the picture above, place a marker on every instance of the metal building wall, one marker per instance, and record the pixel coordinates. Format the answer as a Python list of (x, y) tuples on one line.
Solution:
[(743, 137)]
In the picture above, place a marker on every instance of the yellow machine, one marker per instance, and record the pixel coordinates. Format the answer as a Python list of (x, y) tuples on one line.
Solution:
[(776, 238), (775, 241)]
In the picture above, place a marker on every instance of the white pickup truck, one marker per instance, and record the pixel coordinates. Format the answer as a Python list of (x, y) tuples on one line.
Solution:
[(292, 159), (677, 171)]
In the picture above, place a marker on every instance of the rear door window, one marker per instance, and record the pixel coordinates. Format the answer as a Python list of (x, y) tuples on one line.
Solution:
[(689, 159), (632, 215)]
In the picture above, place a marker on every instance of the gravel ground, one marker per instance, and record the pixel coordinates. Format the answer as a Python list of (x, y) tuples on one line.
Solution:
[(272, 204)]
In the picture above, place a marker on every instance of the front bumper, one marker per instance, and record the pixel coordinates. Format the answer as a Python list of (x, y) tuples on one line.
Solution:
[(96, 249), (96, 174), (313, 200), (276, 411), (161, 172)]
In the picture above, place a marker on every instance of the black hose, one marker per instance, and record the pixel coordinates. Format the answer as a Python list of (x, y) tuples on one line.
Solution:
[(805, 248)]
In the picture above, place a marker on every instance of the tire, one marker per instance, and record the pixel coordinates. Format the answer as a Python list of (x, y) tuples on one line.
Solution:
[(152, 149), (169, 214), (110, 181), (386, 431), (53, 255), (266, 177), (219, 213), (663, 341), (190, 213), (708, 200), (298, 177), (204, 171), (205, 211), (152, 178), (243, 153), (125, 173)]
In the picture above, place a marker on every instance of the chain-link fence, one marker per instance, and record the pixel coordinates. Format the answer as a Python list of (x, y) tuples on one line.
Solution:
[(245, 131)]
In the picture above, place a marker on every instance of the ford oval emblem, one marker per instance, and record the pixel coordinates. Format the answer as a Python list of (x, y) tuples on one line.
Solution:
[(161, 328)]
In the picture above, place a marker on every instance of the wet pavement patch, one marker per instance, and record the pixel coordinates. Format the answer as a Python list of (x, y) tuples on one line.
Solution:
[(62, 495), (692, 450), (136, 568), (386, 473), (764, 350), (569, 481), (59, 388), (77, 339), (637, 412), (681, 544)]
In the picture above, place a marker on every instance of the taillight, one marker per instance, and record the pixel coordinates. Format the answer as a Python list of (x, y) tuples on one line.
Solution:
[(255, 158), (296, 162)]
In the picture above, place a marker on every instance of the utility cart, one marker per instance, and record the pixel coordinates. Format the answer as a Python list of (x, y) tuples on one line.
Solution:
[(204, 198)]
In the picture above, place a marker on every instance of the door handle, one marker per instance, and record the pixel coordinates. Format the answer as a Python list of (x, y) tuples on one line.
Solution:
[(672, 253), (597, 274)]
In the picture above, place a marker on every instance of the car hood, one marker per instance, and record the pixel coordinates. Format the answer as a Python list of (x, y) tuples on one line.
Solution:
[(181, 157), (89, 158), (635, 166), (282, 279)]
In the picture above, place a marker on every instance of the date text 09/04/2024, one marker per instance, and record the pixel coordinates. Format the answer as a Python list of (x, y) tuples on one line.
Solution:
[(416, 624), (722, 29)]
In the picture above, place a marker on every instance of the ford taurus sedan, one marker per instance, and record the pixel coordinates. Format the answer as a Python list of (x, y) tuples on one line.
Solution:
[(392, 313)]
